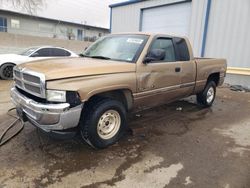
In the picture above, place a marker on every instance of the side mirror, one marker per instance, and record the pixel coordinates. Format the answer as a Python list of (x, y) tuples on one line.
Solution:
[(154, 55), (35, 54)]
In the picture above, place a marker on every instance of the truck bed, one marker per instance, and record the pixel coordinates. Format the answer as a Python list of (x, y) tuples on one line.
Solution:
[(206, 67)]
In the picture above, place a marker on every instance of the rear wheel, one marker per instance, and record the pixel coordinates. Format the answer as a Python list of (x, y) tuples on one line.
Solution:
[(103, 122), (207, 96), (6, 71)]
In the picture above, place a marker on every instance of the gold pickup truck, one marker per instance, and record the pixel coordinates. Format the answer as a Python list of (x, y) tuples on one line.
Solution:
[(117, 74)]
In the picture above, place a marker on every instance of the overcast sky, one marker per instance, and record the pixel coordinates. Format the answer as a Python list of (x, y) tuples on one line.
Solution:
[(91, 12)]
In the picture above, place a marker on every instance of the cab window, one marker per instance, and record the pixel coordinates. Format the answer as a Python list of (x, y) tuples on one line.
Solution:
[(165, 44)]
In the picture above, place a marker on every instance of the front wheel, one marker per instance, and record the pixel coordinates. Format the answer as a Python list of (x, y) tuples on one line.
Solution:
[(207, 96), (6, 71), (103, 122)]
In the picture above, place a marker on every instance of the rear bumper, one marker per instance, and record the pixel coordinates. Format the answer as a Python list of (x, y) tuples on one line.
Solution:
[(48, 117)]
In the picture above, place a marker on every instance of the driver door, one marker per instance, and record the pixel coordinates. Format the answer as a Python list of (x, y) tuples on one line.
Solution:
[(158, 81)]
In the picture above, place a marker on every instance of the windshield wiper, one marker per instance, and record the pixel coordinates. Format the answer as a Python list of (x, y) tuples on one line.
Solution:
[(83, 55), (94, 56), (99, 57)]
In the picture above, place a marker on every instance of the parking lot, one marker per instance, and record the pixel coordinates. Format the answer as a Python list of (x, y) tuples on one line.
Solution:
[(175, 145)]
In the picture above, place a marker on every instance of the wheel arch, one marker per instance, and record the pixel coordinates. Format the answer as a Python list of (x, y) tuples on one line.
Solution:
[(123, 95), (5, 64), (214, 77)]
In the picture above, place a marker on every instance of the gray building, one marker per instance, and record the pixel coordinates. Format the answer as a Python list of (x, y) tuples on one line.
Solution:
[(216, 28), (24, 24)]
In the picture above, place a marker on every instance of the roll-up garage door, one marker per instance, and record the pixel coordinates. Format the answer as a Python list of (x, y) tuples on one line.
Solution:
[(170, 19)]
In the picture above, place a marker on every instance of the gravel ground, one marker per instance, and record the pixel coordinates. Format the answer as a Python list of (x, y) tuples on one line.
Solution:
[(175, 145)]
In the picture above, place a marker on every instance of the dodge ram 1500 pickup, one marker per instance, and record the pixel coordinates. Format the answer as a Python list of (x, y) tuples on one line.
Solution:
[(117, 74)]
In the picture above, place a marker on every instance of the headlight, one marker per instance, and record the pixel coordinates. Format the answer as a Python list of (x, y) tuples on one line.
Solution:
[(56, 96)]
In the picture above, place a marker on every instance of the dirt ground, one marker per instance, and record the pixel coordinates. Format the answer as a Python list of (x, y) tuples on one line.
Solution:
[(168, 146)]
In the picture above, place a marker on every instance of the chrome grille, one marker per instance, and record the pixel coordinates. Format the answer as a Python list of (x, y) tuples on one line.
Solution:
[(31, 78), (32, 88), (17, 74), (18, 83), (30, 81)]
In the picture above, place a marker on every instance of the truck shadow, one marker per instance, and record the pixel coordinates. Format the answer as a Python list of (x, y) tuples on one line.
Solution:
[(179, 131), (67, 156), (169, 119)]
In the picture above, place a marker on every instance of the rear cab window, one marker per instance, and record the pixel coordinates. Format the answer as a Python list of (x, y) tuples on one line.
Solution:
[(59, 52), (181, 48)]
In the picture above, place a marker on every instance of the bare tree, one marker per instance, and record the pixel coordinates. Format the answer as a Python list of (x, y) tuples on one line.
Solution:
[(29, 6), (70, 34)]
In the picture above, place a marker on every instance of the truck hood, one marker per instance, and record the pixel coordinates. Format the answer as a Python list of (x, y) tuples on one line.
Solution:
[(61, 68)]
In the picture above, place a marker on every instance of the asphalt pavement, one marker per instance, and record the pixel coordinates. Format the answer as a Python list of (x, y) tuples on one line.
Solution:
[(175, 145)]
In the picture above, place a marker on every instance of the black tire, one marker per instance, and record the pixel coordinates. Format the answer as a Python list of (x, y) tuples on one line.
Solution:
[(90, 122), (202, 98), (6, 71)]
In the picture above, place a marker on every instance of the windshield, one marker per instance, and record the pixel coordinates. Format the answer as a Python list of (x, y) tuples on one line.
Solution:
[(28, 52), (117, 47)]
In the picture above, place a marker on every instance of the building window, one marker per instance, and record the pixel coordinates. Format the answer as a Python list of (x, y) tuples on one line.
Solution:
[(15, 24), (100, 34), (46, 28), (79, 34), (3, 24)]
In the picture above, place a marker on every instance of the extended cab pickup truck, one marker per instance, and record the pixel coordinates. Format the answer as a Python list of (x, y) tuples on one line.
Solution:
[(117, 74)]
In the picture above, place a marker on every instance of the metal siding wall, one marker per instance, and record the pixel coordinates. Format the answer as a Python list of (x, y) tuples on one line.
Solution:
[(197, 25), (228, 35), (127, 18)]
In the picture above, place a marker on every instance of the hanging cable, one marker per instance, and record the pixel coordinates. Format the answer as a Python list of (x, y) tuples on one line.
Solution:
[(4, 140)]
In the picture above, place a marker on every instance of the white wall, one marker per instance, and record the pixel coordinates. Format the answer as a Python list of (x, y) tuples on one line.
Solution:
[(197, 25), (31, 26), (228, 32), (127, 18)]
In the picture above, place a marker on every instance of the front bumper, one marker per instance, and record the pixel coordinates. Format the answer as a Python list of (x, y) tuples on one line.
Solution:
[(48, 117)]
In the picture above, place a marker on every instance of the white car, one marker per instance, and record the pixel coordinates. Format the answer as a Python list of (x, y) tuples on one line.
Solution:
[(8, 61)]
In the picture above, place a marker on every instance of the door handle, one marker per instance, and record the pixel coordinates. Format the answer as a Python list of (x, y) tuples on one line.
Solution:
[(177, 69)]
